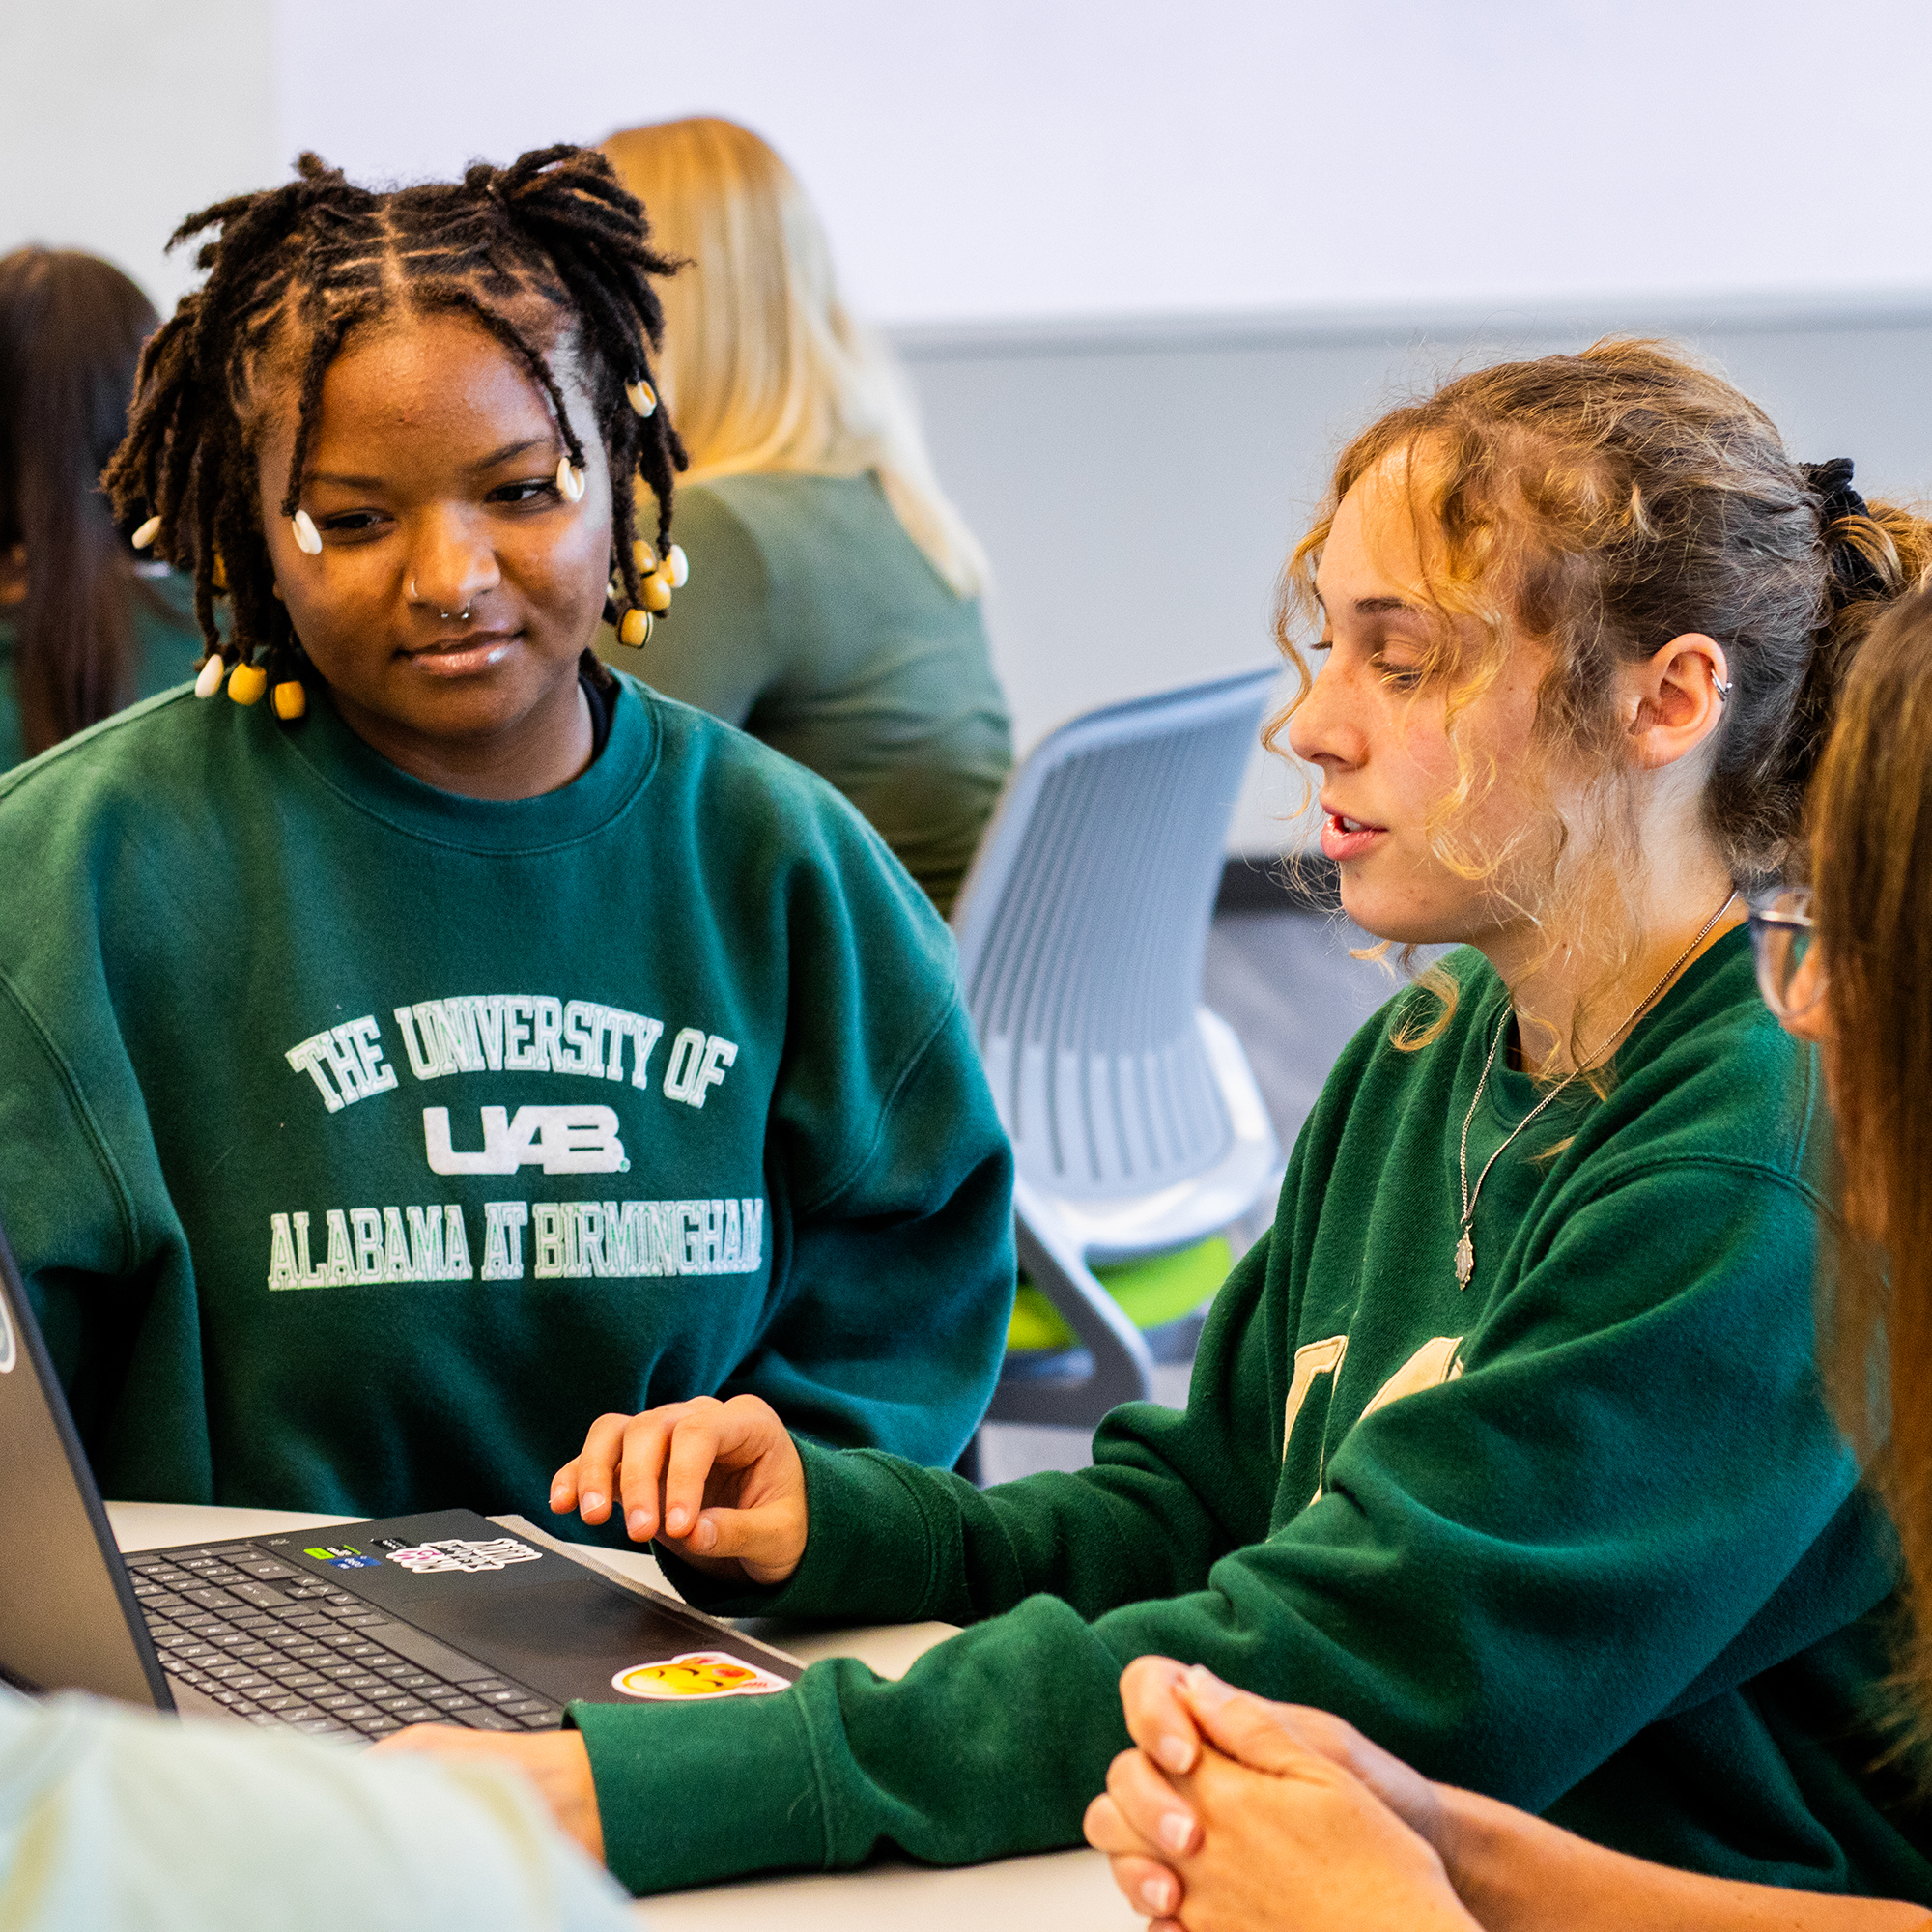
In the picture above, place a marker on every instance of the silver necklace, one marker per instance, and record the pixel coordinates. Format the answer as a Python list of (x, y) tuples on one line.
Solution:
[(1466, 1247)]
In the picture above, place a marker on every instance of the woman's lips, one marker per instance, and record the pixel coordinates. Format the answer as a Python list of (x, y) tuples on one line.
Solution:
[(1343, 839), (462, 656)]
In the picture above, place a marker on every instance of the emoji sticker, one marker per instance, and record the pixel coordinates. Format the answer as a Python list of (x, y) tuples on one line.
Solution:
[(698, 1673)]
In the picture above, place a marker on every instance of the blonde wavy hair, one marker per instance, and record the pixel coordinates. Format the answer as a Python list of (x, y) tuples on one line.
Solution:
[(764, 366), (1600, 505)]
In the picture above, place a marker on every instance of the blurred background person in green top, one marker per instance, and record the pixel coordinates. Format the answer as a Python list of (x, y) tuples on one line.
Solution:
[(85, 627), (832, 606)]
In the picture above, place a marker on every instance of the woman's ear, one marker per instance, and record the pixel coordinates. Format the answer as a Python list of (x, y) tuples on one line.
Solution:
[(1675, 699)]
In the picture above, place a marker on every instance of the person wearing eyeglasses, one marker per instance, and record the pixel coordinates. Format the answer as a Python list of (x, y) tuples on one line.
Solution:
[(1234, 1814)]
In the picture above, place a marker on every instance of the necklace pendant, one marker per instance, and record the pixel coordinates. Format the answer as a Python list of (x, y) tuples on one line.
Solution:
[(1465, 1260)]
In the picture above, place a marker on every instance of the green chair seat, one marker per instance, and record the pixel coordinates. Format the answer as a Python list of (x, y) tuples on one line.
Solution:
[(1152, 1292)]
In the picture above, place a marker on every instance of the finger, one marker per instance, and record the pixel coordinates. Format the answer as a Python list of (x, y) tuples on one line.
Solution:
[(642, 1470), (694, 1449), (1106, 1829), (1159, 1719), (1148, 1886), (1150, 1805), (762, 1539), (1244, 1726), (588, 1479)]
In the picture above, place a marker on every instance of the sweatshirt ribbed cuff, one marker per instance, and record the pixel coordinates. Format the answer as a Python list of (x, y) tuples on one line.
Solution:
[(690, 1793)]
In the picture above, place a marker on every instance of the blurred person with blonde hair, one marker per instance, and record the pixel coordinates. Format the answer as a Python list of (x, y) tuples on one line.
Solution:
[(832, 604)]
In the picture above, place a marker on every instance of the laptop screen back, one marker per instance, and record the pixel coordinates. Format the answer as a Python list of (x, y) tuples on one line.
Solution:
[(68, 1618)]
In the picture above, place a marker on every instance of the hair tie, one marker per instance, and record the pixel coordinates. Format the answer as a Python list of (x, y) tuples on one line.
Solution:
[(1854, 577)]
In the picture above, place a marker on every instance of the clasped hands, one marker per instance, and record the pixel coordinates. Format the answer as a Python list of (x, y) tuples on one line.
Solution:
[(1232, 1814)]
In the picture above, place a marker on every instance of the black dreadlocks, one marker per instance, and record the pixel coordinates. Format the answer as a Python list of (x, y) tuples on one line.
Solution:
[(321, 256)]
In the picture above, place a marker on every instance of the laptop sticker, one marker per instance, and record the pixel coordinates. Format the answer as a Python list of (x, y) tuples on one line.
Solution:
[(464, 1554), (343, 1556), (9, 1352), (698, 1673)]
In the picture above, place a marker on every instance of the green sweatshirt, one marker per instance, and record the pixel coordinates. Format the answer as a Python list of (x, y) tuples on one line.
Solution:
[(814, 621), (361, 1143), (1582, 1536)]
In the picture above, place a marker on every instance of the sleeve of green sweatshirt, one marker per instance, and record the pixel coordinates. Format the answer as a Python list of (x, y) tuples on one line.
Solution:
[(111, 1257), (903, 1269), (1504, 1578)]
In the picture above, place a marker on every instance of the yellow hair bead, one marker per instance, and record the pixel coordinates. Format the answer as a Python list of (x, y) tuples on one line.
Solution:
[(643, 556), (290, 699), (655, 592), (676, 567), (219, 576), (246, 683), (634, 628)]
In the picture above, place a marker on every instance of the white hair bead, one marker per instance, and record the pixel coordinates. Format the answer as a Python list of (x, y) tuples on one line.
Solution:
[(211, 674), (644, 398), (676, 568), (309, 539), (570, 481), (147, 533)]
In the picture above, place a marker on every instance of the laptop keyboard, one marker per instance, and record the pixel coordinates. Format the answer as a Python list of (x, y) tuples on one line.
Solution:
[(278, 1646)]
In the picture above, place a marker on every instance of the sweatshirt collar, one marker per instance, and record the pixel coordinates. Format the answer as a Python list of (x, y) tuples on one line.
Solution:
[(358, 774)]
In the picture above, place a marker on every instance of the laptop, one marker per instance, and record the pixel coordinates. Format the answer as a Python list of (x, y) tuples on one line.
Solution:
[(351, 1631)]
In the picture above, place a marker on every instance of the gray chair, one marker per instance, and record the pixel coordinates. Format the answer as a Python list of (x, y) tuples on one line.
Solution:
[(1136, 1124)]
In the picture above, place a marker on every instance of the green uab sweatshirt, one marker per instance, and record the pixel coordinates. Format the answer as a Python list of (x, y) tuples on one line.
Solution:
[(1582, 1536), (361, 1143)]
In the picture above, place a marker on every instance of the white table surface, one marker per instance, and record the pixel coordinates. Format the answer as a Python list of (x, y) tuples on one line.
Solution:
[(1059, 1892)]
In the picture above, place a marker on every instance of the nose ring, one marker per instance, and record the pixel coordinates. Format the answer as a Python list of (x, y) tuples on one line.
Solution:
[(461, 617)]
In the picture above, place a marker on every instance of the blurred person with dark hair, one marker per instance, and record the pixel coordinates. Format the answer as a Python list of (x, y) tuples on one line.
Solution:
[(85, 628)]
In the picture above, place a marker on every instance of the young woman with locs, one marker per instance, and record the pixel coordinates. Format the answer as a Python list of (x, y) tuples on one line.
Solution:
[(1506, 1444), (429, 1037), (1234, 1812)]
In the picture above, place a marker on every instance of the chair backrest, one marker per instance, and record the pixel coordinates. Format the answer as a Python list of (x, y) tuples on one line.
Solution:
[(1083, 929)]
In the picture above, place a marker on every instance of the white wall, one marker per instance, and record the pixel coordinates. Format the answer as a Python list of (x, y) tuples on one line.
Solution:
[(119, 117), (1047, 157), (1066, 157)]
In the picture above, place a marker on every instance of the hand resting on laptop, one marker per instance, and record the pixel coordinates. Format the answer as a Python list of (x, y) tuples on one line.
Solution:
[(720, 1482)]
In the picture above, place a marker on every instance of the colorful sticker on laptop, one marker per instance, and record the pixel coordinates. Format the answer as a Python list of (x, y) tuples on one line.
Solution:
[(458, 1554), (698, 1673), (342, 1557)]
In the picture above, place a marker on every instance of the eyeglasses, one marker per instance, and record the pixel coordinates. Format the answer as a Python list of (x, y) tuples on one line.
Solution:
[(1790, 968)]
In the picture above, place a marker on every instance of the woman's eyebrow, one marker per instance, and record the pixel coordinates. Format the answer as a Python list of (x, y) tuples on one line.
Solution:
[(1381, 606), (510, 449), (490, 461)]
